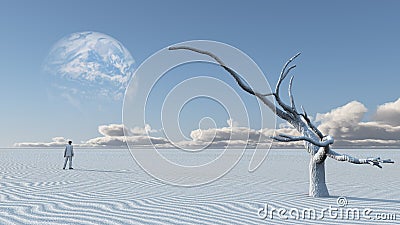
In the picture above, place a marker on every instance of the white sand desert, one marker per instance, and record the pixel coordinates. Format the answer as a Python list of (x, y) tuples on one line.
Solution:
[(108, 187)]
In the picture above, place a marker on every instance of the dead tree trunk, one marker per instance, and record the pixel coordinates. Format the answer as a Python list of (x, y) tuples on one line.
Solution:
[(316, 144)]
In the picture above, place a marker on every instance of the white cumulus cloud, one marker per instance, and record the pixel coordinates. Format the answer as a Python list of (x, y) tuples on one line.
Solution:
[(346, 125), (389, 113)]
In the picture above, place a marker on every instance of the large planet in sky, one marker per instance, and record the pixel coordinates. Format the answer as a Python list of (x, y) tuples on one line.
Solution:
[(89, 65)]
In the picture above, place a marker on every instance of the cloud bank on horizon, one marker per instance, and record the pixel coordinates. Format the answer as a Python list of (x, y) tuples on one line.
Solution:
[(344, 123)]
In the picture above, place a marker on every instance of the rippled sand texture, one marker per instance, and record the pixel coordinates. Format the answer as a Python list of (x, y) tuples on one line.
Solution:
[(108, 187)]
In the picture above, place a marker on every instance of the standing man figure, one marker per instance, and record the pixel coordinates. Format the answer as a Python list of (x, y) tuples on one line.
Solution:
[(68, 154)]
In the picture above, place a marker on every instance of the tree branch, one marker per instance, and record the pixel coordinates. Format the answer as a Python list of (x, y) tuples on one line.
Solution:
[(240, 82), (282, 76), (220, 62), (344, 157), (288, 138), (291, 95), (311, 125)]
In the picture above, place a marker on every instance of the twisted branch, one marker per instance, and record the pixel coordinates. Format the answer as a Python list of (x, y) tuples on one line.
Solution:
[(291, 95), (344, 157), (239, 81), (289, 138), (290, 110), (310, 124), (220, 62)]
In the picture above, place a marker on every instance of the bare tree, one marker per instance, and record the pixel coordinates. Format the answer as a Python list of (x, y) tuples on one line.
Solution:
[(317, 144)]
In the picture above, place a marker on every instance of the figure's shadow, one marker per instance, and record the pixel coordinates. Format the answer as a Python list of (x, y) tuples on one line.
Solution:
[(367, 199), (104, 171)]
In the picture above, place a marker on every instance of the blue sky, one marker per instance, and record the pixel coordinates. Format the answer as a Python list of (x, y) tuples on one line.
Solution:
[(349, 52)]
